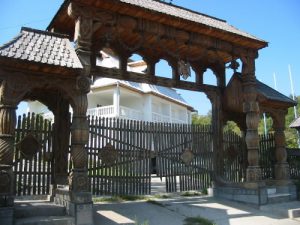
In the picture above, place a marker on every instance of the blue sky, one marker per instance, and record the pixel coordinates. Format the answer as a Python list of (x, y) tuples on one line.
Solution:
[(277, 22)]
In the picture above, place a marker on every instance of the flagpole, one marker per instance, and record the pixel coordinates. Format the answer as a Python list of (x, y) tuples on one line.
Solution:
[(293, 95), (275, 81)]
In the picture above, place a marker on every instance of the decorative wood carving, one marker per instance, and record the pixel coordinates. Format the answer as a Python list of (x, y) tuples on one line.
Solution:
[(184, 69), (108, 155), (251, 108), (187, 156), (29, 146), (162, 81)]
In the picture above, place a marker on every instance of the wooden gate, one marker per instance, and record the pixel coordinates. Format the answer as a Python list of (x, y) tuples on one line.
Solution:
[(184, 155), (235, 157), (33, 155), (119, 156)]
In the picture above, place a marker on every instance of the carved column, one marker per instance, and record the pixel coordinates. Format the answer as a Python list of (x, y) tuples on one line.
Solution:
[(151, 62), (217, 132), (83, 34), (282, 171), (199, 70), (61, 137), (7, 132), (78, 179), (251, 109)]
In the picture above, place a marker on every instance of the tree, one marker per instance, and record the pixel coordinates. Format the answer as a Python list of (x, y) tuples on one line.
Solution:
[(291, 133), (201, 119)]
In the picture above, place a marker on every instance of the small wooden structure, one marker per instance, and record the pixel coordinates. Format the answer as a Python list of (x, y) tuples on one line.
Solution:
[(43, 65), (296, 124)]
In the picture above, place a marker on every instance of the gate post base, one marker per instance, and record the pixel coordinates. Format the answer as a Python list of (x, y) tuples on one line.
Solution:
[(6, 215), (78, 205), (6, 194)]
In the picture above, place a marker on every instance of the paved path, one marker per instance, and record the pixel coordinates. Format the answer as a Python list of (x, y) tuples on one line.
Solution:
[(174, 211)]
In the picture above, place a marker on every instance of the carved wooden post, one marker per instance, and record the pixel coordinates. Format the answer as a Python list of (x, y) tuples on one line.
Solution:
[(83, 35), (7, 132), (282, 171), (217, 131), (151, 62), (199, 70), (61, 128), (251, 108)]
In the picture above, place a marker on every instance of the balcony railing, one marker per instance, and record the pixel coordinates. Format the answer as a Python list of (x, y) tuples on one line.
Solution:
[(125, 113), (106, 111), (109, 111), (128, 113), (160, 118)]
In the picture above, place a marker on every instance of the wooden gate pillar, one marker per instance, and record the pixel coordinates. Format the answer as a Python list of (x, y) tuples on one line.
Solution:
[(8, 108), (61, 137), (7, 132), (282, 171), (251, 109), (217, 132), (83, 34)]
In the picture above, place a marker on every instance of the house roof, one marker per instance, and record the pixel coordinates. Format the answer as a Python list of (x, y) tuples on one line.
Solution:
[(165, 92), (41, 47), (295, 123)]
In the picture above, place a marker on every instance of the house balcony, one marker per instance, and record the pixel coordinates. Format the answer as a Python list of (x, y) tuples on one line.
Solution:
[(160, 118), (110, 111)]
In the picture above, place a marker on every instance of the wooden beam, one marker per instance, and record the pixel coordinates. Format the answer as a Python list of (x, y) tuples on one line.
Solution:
[(114, 73)]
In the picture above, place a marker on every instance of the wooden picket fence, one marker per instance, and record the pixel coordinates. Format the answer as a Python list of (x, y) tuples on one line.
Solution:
[(235, 157), (123, 154), (294, 162), (266, 153), (119, 156), (184, 155), (33, 175)]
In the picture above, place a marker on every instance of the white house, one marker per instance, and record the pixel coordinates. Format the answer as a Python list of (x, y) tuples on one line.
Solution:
[(130, 100)]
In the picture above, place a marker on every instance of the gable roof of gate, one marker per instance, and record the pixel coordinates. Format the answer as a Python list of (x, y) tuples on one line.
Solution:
[(164, 13), (267, 96), (41, 47)]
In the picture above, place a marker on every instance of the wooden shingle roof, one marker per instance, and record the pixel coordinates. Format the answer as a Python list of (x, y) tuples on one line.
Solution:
[(295, 123), (41, 47), (164, 13)]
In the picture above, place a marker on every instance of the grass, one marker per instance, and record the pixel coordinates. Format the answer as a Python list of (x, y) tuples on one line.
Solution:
[(143, 223), (197, 221), (120, 198), (191, 193)]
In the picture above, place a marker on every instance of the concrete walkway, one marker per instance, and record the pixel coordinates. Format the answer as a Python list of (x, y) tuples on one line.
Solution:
[(173, 211)]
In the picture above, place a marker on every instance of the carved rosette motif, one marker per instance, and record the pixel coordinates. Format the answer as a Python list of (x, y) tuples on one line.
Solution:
[(83, 84), (78, 181), (253, 174), (187, 156), (29, 146), (108, 155)]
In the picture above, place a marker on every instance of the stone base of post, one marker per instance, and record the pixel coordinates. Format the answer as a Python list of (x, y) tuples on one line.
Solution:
[(6, 194), (282, 171), (76, 197), (253, 174)]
